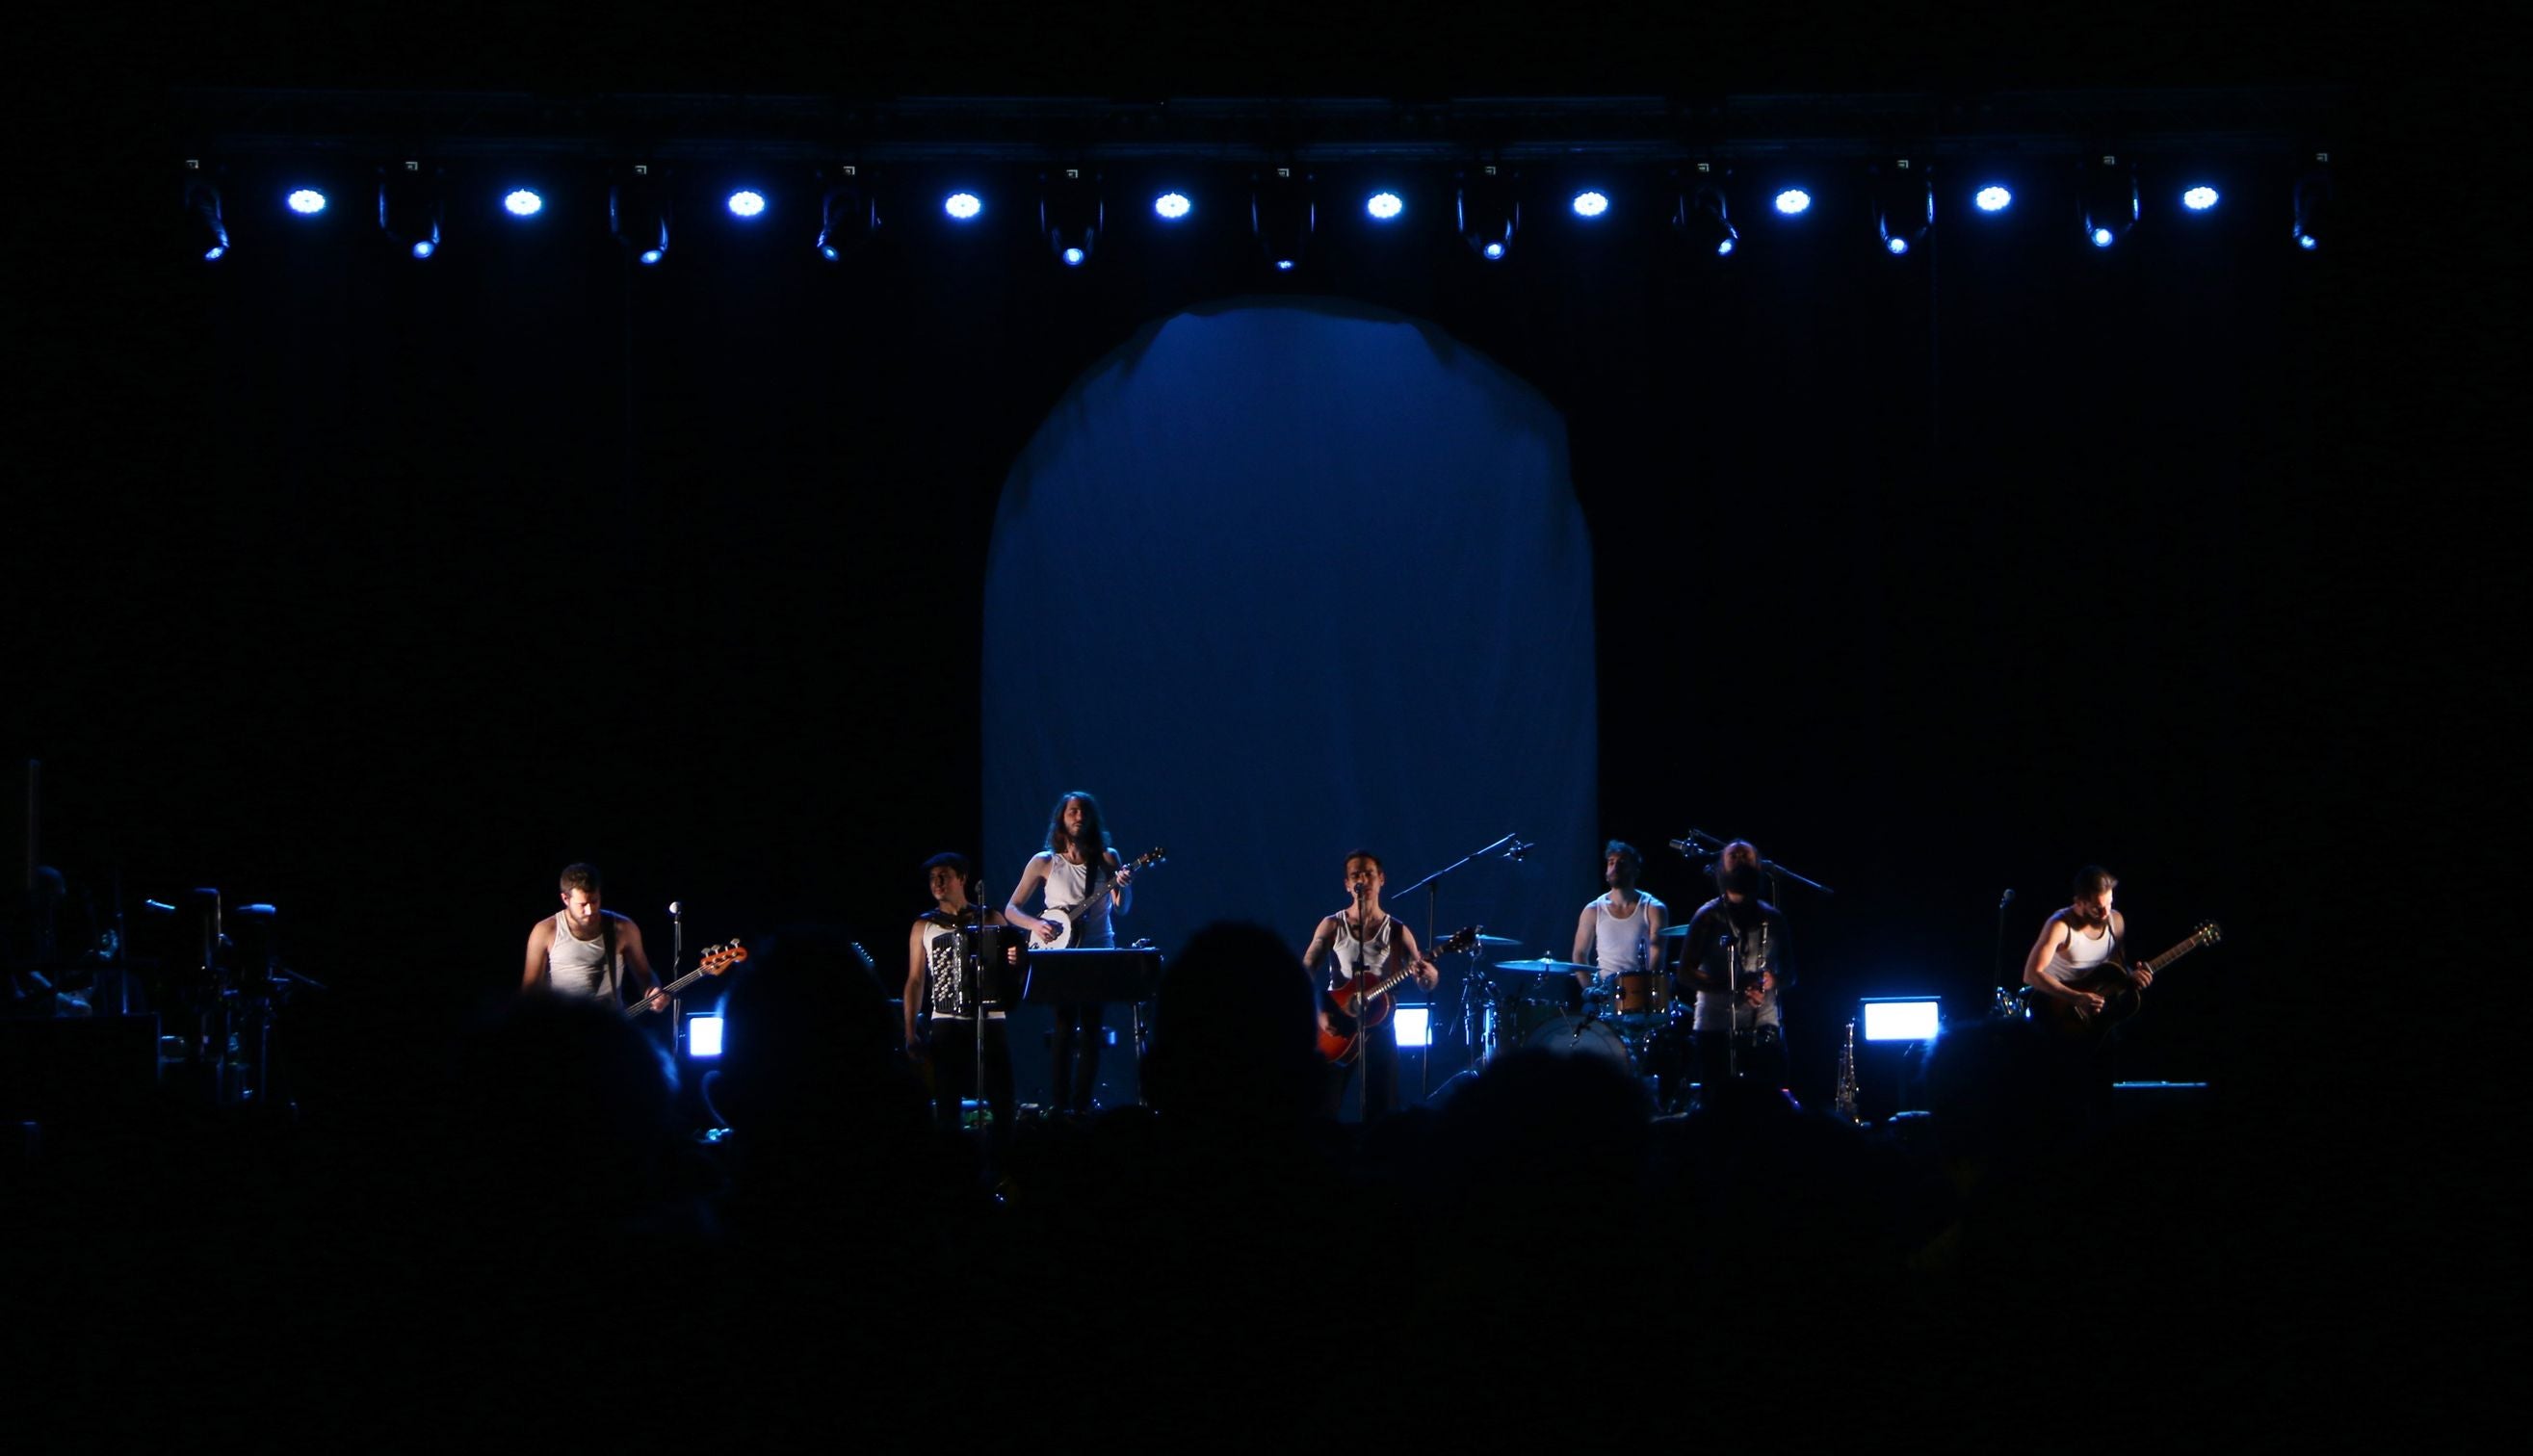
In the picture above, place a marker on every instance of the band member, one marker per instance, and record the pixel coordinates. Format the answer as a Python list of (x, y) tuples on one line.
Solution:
[(1075, 873), (1618, 931), (589, 951), (938, 973), (1363, 937), (2077, 941), (1740, 960)]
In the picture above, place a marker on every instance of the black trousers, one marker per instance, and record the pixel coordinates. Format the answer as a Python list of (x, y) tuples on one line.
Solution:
[(1079, 1034), (1379, 1062), (954, 1073)]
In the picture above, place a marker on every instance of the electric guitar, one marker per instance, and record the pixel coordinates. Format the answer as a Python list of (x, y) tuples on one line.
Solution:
[(2121, 994), (1065, 920), (716, 959), (1364, 1002)]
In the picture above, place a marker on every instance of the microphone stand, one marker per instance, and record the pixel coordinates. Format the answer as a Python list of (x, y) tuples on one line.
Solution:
[(1996, 964), (1511, 846), (677, 950)]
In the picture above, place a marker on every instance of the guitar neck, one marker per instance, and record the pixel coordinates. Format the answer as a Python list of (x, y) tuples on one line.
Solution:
[(2175, 953)]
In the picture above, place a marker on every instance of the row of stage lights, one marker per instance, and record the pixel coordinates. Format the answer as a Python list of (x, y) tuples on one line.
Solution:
[(1282, 210)]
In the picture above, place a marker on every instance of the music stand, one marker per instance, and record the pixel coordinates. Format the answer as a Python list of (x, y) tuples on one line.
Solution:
[(1098, 976)]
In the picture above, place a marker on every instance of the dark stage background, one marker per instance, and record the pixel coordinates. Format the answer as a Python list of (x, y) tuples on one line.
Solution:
[(378, 591)]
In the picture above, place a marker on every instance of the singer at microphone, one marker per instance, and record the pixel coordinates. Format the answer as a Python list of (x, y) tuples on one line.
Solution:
[(1740, 965)]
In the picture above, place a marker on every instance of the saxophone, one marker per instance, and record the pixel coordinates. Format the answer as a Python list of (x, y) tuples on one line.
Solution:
[(1847, 1078)]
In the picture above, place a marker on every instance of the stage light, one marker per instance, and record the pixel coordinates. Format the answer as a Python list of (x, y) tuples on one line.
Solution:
[(963, 207), (205, 232), (1702, 219), (2316, 199), (1171, 206), (1487, 203), (638, 213), (1903, 204), (1901, 1017), (2108, 193), (1415, 1026), (523, 204), (1384, 206), (307, 202), (409, 207), (1794, 201), (1282, 214), (744, 203), (1993, 199), (2199, 198), (1590, 204), (848, 215), (1071, 213), (703, 1034)]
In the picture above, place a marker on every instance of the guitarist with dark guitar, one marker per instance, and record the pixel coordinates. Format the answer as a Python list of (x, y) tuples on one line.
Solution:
[(1363, 939), (2081, 981)]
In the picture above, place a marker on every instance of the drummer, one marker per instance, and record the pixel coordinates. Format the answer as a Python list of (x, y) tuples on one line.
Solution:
[(1619, 932)]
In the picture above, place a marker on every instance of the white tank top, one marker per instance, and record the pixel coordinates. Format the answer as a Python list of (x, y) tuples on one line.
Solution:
[(1354, 955), (2077, 956), (1622, 943), (579, 967), (1068, 885)]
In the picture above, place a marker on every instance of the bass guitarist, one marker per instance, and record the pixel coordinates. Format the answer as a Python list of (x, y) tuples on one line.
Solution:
[(1363, 937), (589, 951)]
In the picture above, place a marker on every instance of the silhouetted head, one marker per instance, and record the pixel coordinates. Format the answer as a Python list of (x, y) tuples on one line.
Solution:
[(1235, 1029)]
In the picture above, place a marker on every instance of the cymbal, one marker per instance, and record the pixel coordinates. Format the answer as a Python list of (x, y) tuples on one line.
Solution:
[(1671, 932), (1497, 940), (1541, 966)]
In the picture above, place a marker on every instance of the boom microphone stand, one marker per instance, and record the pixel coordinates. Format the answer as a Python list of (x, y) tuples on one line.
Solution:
[(1511, 846)]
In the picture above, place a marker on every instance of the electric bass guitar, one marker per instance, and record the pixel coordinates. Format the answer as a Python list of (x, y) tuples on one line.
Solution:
[(716, 959), (2121, 994), (1066, 920), (1364, 1002)]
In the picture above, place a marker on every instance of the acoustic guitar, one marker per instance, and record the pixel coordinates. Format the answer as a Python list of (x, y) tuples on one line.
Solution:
[(2120, 993), (1364, 1002)]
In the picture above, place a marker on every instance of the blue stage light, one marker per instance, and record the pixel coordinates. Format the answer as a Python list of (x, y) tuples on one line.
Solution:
[(653, 255), (1384, 206), (1283, 264), (523, 204), (1901, 1017), (2308, 242), (425, 247), (1415, 1026), (1171, 206), (2102, 237), (1590, 204), (1723, 249), (1793, 200), (2199, 198), (1073, 257), (828, 251), (214, 253), (1897, 246), (1492, 251), (703, 1035), (1993, 199), (962, 205), (307, 202), (745, 203)]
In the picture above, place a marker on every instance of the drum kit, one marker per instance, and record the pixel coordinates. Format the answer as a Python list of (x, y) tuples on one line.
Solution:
[(1634, 1018)]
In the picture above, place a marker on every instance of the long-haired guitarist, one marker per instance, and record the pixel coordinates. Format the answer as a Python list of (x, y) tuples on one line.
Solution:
[(2079, 941), (936, 974), (1364, 937), (1077, 872), (589, 951)]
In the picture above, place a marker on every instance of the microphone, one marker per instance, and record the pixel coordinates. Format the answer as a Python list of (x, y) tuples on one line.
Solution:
[(2009, 900), (675, 908), (1518, 850)]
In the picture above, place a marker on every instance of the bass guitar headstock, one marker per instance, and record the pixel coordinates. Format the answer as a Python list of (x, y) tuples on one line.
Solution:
[(718, 958)]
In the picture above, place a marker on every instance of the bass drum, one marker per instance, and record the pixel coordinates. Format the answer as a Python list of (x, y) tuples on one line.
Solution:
[(1577, 1036)]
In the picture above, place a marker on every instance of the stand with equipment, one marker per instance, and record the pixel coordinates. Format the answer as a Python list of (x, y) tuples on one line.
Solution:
[(1101, 977), (1511, 846)]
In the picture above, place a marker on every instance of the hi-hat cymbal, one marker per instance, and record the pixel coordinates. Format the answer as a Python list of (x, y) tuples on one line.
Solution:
[(1497, 940), (1671, 932), (1541, 966)]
